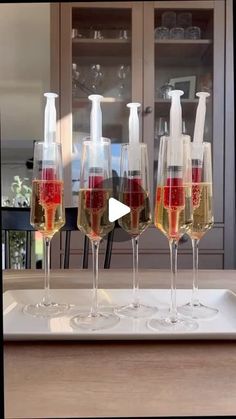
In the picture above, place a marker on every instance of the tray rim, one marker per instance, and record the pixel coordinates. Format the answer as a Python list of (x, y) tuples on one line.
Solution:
[(108, 335)]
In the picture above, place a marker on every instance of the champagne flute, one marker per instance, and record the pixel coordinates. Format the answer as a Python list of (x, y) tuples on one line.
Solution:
[(47, 215), (173, 216), (134, 192), (202, 222), (93, 220)]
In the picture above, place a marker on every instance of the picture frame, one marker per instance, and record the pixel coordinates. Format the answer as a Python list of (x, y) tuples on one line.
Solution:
[(187, 84)]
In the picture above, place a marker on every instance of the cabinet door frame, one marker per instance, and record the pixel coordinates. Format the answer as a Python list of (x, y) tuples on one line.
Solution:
[(229, 150)]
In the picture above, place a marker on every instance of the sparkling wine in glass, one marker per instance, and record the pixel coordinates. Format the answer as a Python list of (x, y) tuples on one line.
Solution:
[(173, 217), (47, 215), (203, 219), (134, 192), (93, 220)]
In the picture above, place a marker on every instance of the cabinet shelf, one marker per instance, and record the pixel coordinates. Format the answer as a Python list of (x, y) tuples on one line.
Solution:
[(182, 101), (83, 102), (101, 47), (188, 105), (177, 51)]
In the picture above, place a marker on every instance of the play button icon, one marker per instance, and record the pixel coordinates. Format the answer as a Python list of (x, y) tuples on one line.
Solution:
[(116, 209)]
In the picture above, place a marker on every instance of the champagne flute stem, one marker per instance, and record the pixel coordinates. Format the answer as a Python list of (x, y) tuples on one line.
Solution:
[(195, 298), (47, 246), (94, 308), (173, 267), (135, 242)]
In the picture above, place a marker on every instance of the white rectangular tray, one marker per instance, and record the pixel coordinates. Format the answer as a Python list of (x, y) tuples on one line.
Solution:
[(20, 326)]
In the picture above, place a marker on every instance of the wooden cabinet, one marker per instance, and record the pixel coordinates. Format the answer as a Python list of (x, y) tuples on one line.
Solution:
[(118, 49)]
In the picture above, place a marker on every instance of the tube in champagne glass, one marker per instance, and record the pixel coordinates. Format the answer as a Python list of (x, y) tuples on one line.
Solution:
[(95, 198), (174, 189), (134, 198), (50, 186), (197, 146), (134, 192)]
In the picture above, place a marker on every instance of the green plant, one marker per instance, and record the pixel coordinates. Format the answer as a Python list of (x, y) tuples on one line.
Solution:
[(21, 190)]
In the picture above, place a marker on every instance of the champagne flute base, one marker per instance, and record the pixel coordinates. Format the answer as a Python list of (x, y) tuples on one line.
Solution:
[(46, 310), (198, 311), (136, 311), (168, 325), (89, 322)]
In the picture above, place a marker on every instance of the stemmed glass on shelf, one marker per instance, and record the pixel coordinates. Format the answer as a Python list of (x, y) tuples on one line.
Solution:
[(47, 215), (97, 77), (123, 74), (134, 192), (93, 220), (173, 217), (202, 200)]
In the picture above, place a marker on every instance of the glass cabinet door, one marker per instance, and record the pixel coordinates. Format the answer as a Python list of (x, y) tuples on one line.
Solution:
[(188, 54), (138, 51), (183, 40), (184, 48), (102, 61)]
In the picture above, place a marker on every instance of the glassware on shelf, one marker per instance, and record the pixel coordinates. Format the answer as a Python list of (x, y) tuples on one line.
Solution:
[(76, 34), (168, 19), (74, 67), (203, 220), (173, 217), (123, 34), (47, 215), (75, 79), (95, 192), (161, 127), (83, 80), (97, 34), (96, 77), (193, 32), (123, 73), (161, 32), (165, 90), (134, 192), (184, 19), (205, 83), (177, 33)]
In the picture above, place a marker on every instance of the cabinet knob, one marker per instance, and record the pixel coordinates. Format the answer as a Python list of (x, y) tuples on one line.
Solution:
[(148, 109)]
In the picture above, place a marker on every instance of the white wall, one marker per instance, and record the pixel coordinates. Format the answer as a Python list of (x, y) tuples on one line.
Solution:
[(24, 68), (24, 77)]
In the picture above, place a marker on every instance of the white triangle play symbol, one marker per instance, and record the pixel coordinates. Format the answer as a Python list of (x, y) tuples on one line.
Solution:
[(116, 209)]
